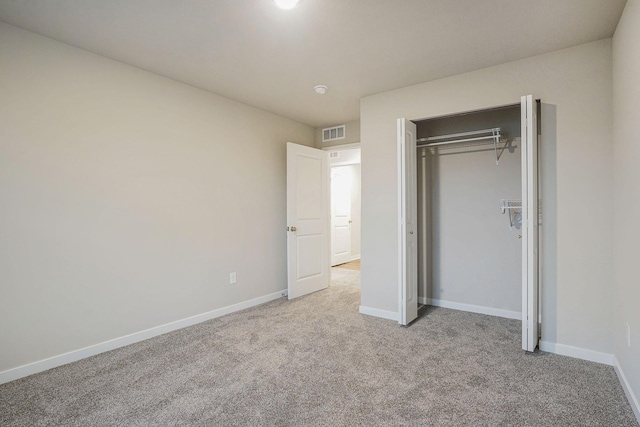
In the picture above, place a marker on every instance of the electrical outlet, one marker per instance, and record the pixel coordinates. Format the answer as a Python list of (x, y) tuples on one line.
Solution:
[(232, 278), (628, 335)]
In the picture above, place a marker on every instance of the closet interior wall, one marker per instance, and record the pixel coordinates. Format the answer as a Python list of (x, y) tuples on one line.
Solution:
[(467, 254)]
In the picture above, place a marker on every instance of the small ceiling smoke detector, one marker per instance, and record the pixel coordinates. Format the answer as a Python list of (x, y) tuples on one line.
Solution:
[(286, 4), (320, 89)]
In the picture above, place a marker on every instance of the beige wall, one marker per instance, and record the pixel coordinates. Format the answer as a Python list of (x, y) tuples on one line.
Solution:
[(351, 135), (626, 204), (127, 199), (575, 85)]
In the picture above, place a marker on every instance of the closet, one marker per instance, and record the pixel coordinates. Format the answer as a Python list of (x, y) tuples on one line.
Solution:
[(466, 241)]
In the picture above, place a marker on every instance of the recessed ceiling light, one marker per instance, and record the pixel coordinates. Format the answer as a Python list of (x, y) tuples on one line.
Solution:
[(286, 4), (320, 89)]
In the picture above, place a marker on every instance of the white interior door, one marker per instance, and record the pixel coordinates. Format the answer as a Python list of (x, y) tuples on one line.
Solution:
[(529, 150), (407, 230), (307, 220), (340, 215)]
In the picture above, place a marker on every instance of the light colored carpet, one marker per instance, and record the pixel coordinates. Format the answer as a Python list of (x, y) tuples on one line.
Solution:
[(316, 361)]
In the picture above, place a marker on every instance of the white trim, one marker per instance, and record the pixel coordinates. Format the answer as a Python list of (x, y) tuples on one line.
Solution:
[(355, 257), (472, 308), (631, 397), (389, 315), (342, 147), (577, 352), (75, 355)]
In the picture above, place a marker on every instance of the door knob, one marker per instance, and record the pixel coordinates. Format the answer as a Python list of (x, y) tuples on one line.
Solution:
[(294, 229)]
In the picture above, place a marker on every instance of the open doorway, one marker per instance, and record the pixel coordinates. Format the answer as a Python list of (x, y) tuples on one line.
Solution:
[(309, 208), (344, 162)]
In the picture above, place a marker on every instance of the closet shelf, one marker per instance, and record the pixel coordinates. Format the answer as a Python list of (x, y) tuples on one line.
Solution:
[(491, 136), (513, 207)]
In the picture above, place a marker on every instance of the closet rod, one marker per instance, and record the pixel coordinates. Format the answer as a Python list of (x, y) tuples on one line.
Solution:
[(461, 135), (492, 134), (456, 141)]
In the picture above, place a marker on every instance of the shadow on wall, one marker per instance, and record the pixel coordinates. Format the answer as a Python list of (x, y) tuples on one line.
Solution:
[(548, 225)]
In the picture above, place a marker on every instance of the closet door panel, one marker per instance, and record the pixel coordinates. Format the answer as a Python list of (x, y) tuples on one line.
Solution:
[(407, 230), (530, 218)]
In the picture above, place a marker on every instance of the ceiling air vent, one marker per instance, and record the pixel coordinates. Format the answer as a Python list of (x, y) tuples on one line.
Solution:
[(331, 134)]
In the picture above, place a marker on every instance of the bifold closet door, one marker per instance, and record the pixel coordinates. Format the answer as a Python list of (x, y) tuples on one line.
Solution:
[(407, 229), (530, 218)]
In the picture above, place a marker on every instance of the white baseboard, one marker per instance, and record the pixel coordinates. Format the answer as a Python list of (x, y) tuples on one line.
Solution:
[(472, 308), (577, 352), (75, 355), (631, 397), (390, 315), (355, 257)]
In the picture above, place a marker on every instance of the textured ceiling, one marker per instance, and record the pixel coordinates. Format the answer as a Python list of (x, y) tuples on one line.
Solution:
[(251, 51)]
